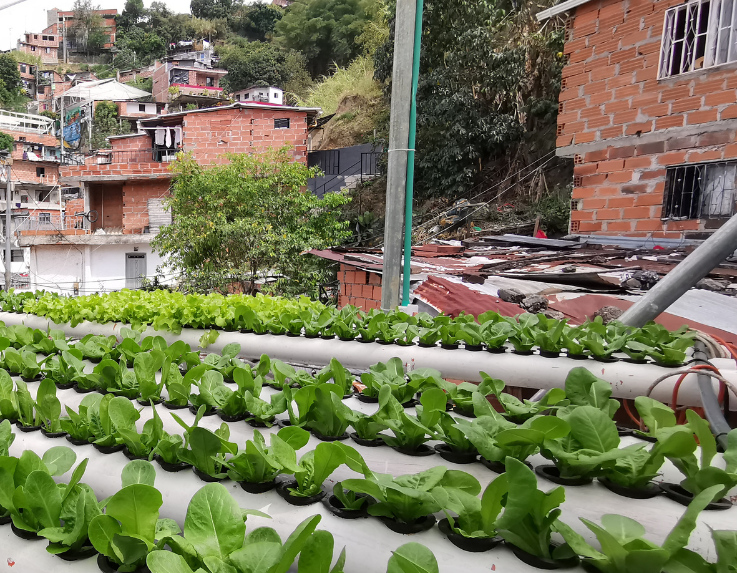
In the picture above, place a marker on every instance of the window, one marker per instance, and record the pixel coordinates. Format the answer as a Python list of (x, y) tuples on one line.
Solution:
[(41, 89), (24, 199), (40, 171), (210, 82), (16, 255), (33, 48), (281, 123), (704, 191), (237, 97), (698, 34), (44, 218), (44, 196), (48, 50), (35, 36), (142, 107), (22, 68), (246, 96)]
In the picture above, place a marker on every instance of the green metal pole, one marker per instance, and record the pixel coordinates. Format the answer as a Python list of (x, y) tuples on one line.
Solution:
[(411, 155)]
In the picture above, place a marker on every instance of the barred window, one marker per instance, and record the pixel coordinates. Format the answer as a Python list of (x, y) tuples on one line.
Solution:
[(281, 123), (698, 34), (703, 191), (44, 217)]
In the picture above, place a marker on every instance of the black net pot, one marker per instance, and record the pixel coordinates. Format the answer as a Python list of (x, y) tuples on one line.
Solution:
[(541, 562), (471, 544), (417, 526), (79, 390), (552, 473), (473, 347), (523, 352), (48, 434), (497, 467), (427, 344), (549, 354), (169, 467), (419, 452), (454, 346), (254, 423), (23, 534), (227, 418), (335, 507), (4, 520), (78, 554), (647, 492), (36, 378), (497, 349), (284, 423), (622, 431), (370, 443), (411, 403), (450, 455), (365, 340), (685, 497), (23, 428), (76, 442), (127, 453), (206, 477), (262, 487), (156, 401), (606, 359), (319, 436), (65, 386), (109, 449), (107, 566), (464, 413), (367, 399), (577, 356), (209, 411), (170, 406), (283, 490)]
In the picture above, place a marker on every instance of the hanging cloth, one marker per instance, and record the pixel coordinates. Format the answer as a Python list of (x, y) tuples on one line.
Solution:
[(160, 136), (177, 136), (168, 137)]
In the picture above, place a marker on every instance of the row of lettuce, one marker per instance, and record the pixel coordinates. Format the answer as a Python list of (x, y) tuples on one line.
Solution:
[(580, 437), (128, 531), (302, 317)]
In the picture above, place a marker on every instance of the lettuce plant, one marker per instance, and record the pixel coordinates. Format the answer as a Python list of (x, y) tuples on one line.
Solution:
[(392, 375), (259, 464), (262, 411), (127, 532), (28, 414), (168, 448), (521, 410), (12, 361), (95, 347), (337, 374), (475, 518), (178, 387), (656, 416), (145, 367), (549, 333), (462, 394), (326, 414), (530, 514), (429, 335), (99, 421), (7, 437), (139, 445), (410, 432), (699, 474), (316, 466), (591, 447), (408, 498), (367, 427), (8, 398), (624, 547), (582, 388), (115, 377), (206, 450), (448, 431), (495, 334), (48, 406), (687, 561), (66, 368)]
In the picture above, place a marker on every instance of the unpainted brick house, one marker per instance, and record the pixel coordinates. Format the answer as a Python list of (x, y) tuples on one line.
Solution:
[(124, 189), (648, 112)]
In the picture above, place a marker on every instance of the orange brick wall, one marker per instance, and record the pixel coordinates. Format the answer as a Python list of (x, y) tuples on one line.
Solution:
[(142, 141), (135, 203), (610, 93), (25, 171), (359, 288)]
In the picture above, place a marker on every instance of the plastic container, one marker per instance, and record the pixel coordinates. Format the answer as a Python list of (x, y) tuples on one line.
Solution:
[(262, 487), (127, 453), (367, 399), (422, 451), (464, 413), (64, 386), (78, 554), (76, 442), (283, 491), (335, 507), (684, 497), (48, 434), (109, 449), (157, 401), (37, 378), (226, 418), (254, 423), (171, 406), (647, 492), (207, 478), (497, 467), (375, 443), (23, 428), (540, 562), (167, 467), (79, 390), (552, 473), (23, 534), (107, 566), (208, 411), (319, 436), (421, 524), (453, 456), (471, 544)]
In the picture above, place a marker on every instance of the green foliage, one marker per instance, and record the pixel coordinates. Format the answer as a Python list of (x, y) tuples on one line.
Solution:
[(88, 29), (235, 221), (6, 142), (325, 31), (106, 124), (212, 9), (10, 82), (257, 21), (489, 81)]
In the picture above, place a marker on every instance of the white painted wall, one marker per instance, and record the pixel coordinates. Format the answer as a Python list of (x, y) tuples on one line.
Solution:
[(97, 268), (132, 108)]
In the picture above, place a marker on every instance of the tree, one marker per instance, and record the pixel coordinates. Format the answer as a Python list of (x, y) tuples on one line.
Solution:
[(88, 30), (488, 90), (325, 31), (212, 9), (133, 14), (257, 21), (233, 223), (10, 82), (105, 124), (259, 63), (138, 47), (6, 142)]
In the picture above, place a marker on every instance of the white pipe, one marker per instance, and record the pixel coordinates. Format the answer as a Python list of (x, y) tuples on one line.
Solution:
[(628, 380)]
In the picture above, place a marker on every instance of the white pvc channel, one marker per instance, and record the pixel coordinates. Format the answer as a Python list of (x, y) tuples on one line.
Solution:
[(628, 380), (369, 543)]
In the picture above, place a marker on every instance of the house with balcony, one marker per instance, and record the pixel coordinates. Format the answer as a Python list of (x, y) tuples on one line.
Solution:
[(44, 45), (35, 195), (60, 23), (188, 77), (269, 95), (28, 78), (648, 112), (122, 191)]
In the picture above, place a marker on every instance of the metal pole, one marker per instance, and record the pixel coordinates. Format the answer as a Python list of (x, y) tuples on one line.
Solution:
[(8, 234), (688, 272), (411, 155), (398, 141)]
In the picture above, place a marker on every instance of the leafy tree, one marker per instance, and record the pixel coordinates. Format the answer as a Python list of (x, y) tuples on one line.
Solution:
[(133, 14), (88, 29), (10, 82), (488, 90), (105, 124), (257, 21), (138, 47), (212, 9), (233, 223), (259, 63), (325, 31), (6, 142)]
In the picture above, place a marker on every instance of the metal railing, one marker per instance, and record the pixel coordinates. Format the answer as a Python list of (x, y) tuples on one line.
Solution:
[(56, 221), (369, 166), (25, 122)]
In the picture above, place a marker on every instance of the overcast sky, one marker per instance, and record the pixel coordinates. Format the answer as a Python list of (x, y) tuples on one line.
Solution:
[(30, 16)]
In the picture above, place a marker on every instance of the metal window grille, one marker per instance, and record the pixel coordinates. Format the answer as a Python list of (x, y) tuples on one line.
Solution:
[(44, 217), (699, 34), (704, 191), (16, 255), (281, 123)]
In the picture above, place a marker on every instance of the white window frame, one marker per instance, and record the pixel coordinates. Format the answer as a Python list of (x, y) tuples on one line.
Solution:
[(719, 37)]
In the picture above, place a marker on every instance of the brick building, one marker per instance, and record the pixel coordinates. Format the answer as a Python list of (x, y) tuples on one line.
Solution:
[(44, 45), (188, 77), (61, 24), (28, 78), (648, 112), (126, 186)]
